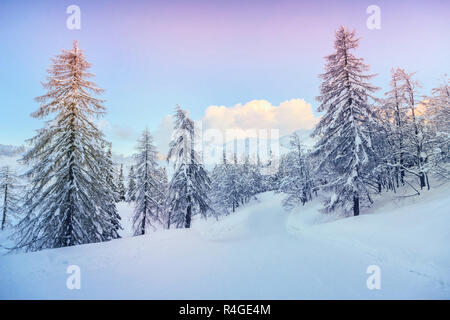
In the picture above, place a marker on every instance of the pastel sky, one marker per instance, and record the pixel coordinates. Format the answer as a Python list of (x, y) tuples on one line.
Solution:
[(208, 56)]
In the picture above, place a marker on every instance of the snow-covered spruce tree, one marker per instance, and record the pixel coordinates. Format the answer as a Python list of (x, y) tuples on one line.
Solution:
[(344, 148), (9, 196), (219, 193), (69, 202), (296, 180), (109, 197), (190, 184), (233, 183), (107, 175), (250, 180), (131, 185), (121, 185), (149, 191)]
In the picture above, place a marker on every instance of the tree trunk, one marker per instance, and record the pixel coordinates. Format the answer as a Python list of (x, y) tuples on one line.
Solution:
[(396, 176), (355, 205), (422, 180), (143, 218), (168, 219), (68, 223), (402, 176), (188, 216)]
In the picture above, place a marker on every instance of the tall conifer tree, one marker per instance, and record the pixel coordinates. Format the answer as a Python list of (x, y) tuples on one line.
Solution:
[(70, 202), (345, 147)]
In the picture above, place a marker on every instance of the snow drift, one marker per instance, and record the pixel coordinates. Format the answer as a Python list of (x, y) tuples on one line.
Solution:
[(259, 252)]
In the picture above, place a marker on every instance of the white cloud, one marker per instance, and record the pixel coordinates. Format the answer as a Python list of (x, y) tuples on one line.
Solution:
[(289, 116)]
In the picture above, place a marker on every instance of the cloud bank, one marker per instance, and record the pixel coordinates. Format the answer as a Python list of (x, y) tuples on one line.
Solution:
[(289, 116)]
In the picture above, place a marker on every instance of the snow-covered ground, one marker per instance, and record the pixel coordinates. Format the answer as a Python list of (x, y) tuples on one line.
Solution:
[(259, 252)]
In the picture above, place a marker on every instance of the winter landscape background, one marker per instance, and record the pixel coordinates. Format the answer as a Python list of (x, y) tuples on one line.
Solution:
[(135, 177)]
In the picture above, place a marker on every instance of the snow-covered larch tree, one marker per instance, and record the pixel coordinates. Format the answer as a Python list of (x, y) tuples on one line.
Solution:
[(109, 173), (9, 196), (131, 185), (296, 181), (438, 112), (149, 190), (395, 124), (69, 202), (190, 183), (161, 195), (439, 107), (415, 134), (344, 148)]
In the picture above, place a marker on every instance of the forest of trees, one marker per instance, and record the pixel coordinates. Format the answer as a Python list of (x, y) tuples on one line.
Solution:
[(365, 145)]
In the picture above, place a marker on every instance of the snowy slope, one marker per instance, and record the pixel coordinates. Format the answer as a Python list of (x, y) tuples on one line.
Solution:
[(259, 252)]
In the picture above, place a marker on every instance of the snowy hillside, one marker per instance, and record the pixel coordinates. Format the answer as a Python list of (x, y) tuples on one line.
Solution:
[(259, 252)]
